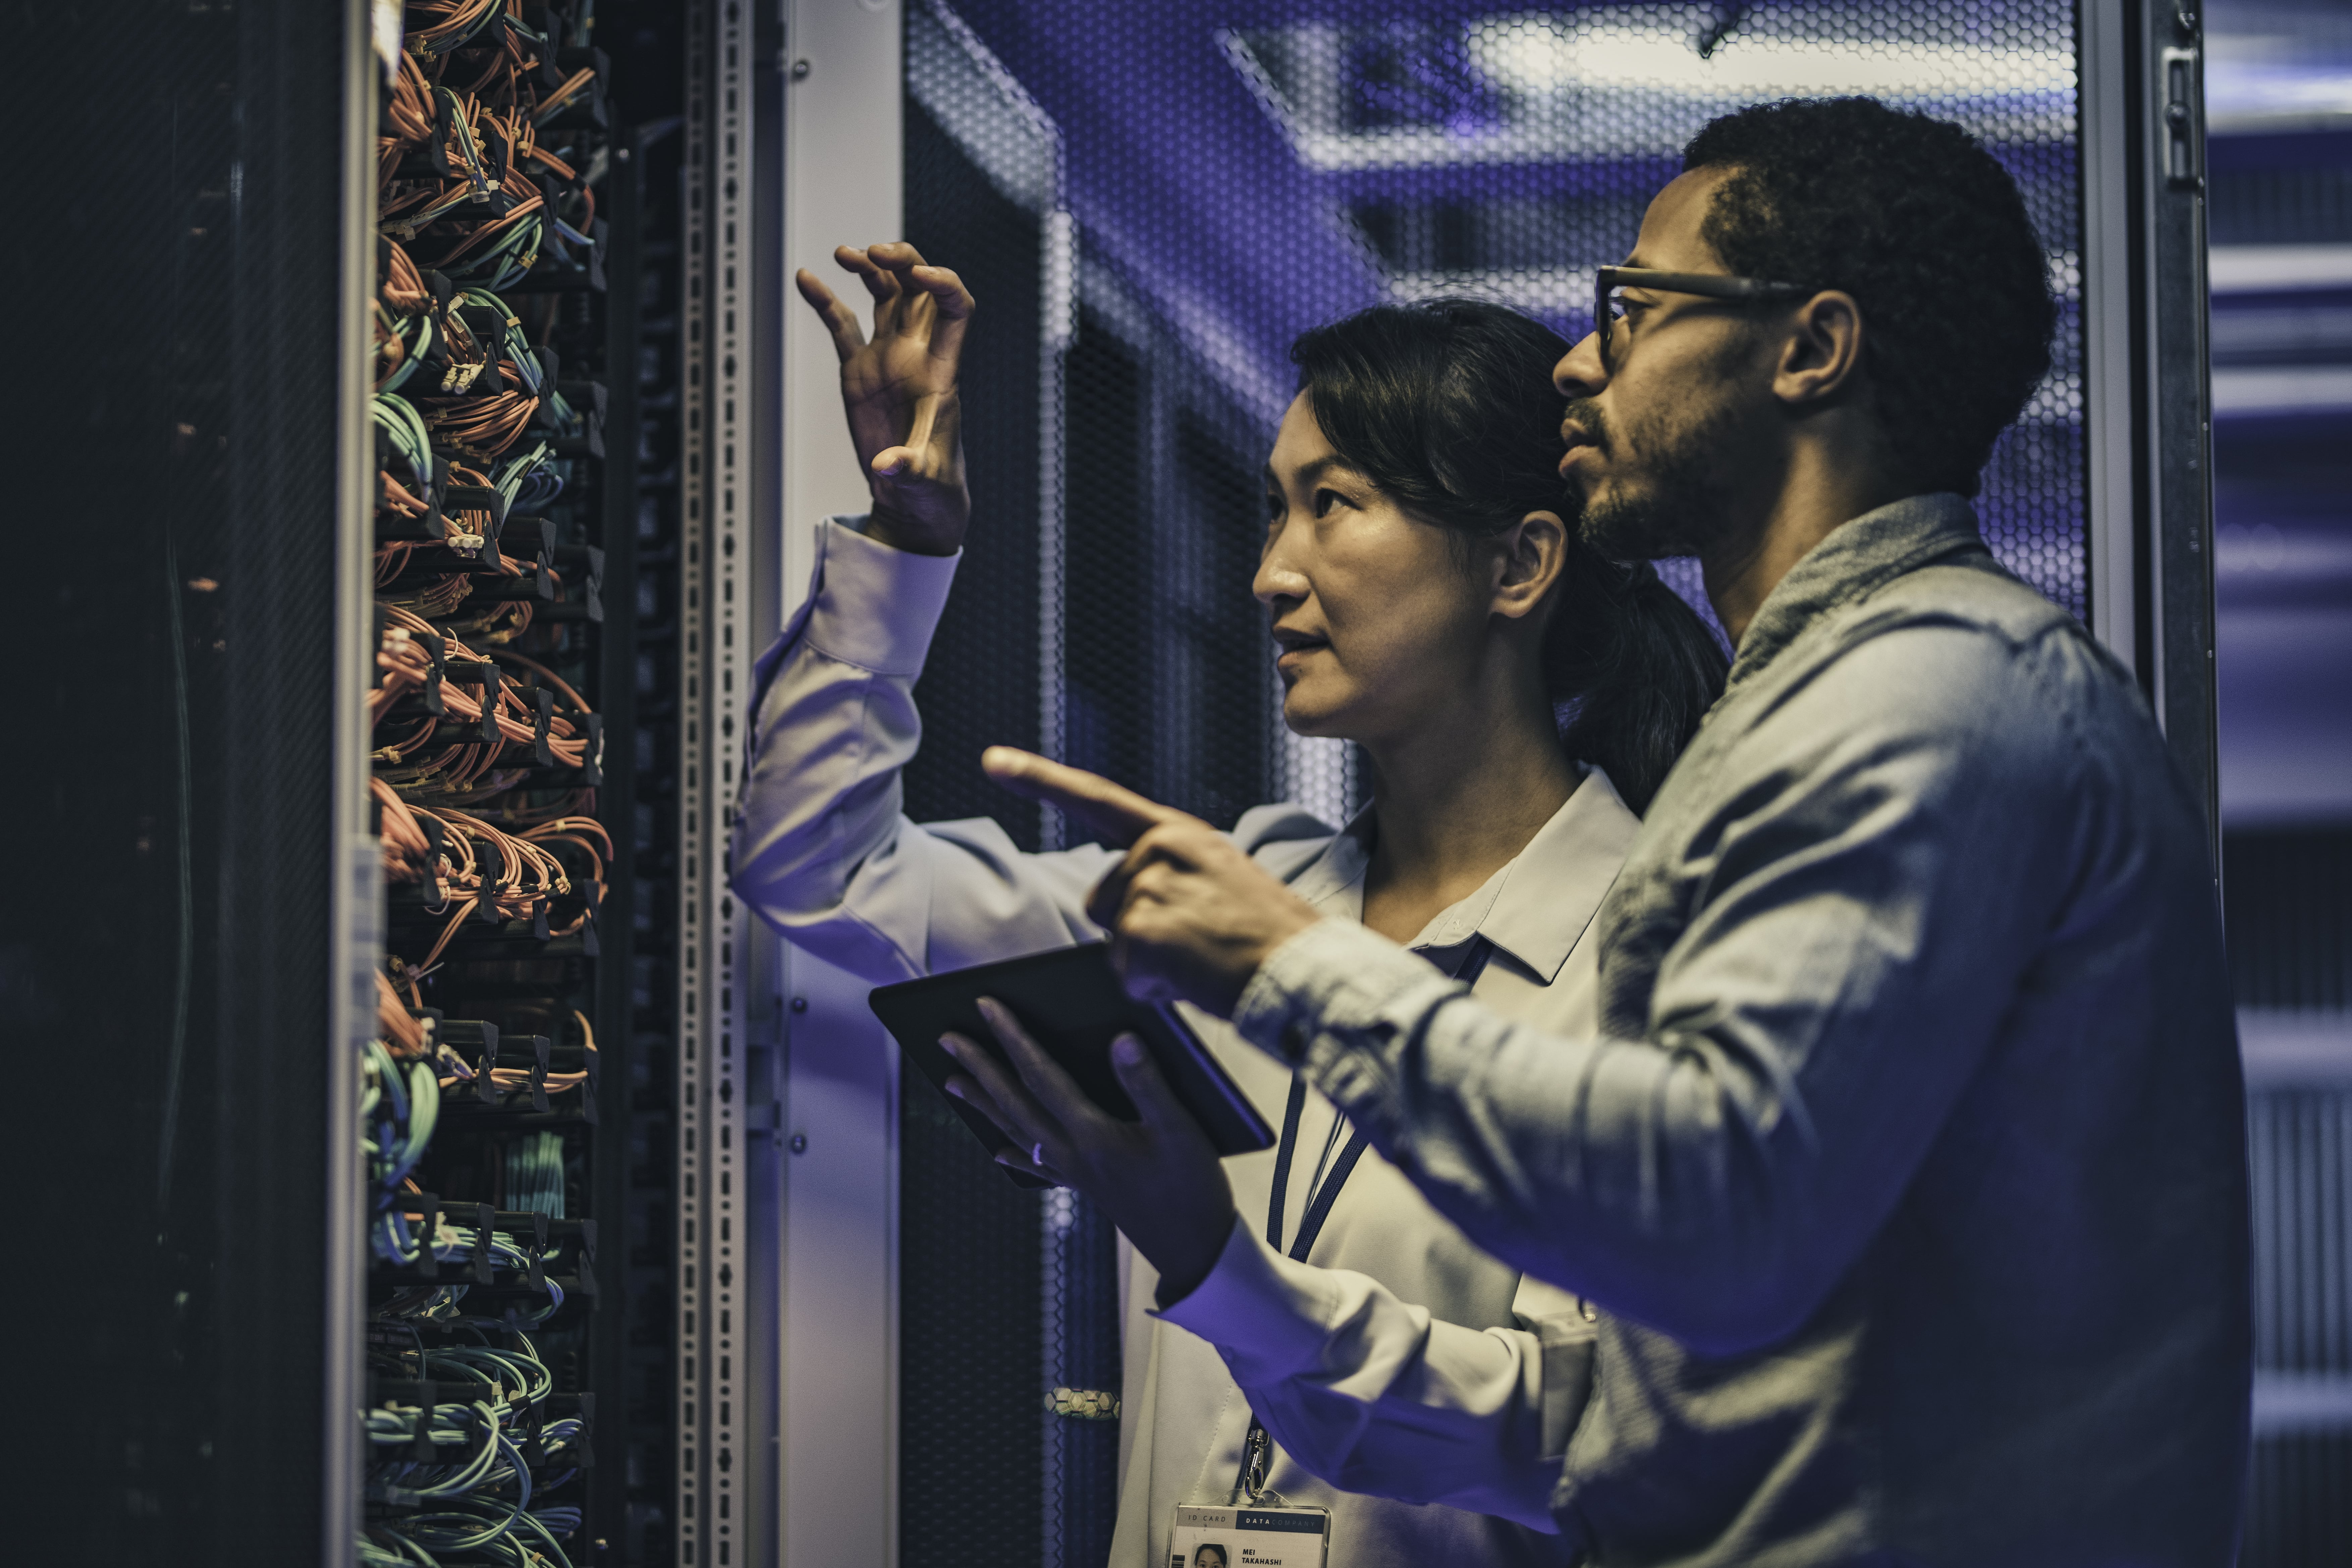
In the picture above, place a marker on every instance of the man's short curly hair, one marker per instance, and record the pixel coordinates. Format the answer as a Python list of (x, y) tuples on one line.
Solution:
[(1928, 233)]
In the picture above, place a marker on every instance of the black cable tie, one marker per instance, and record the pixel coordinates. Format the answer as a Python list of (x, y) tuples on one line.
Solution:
[(431, 693), (591, 754), (490, 689), (427, 1400), (427, 1265), (484, 1266)]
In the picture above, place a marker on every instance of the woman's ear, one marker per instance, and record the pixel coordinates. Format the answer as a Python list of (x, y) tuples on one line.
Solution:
[(1529, 557)]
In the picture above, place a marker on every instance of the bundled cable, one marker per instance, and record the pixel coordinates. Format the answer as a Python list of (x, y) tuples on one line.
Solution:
[(408, 852), (408, 117), (399, 1109), (535, 1172), (401, 345), (409, 470), (555, 102), (456, 1071), (472, 217), (447, 24), (479, 749), (407, 663), (447, 176), (500, 1393), (515, 875), (399, 1238), (399, 1031), (403, 429), (403, 290), (480, 428), (460, 170)]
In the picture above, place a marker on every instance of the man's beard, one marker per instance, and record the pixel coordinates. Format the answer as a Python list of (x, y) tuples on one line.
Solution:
[(1680, 511)]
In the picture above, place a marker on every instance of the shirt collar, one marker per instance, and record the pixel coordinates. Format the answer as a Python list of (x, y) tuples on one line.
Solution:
[(1535, 908), (1334, 880), (1856, 559)]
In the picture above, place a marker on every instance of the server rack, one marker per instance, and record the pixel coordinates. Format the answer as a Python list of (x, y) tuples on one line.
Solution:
[(2279, 227), (350, 403), (755, 1395), (507, 262)]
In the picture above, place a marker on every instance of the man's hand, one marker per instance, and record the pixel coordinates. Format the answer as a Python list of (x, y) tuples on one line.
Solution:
[(899, 391), (1192, 917), (1158, 1179)]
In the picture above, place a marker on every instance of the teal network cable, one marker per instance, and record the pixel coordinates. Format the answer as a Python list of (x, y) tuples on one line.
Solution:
[(400, 423), (535, 1174)]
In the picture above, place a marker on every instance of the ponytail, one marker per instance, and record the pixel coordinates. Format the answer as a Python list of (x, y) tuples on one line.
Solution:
[(1448, 408), (1632, 669)]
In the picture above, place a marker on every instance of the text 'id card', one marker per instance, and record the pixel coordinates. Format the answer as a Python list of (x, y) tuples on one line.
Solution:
[(1250, 1538)]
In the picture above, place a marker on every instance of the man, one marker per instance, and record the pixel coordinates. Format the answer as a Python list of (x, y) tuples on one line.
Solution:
[(1906, 1170)]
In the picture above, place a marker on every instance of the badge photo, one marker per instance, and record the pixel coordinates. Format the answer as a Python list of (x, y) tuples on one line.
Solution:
[(1250, 1538)]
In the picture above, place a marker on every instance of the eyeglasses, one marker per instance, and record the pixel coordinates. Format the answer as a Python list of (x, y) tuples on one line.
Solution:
[(1708, 285)]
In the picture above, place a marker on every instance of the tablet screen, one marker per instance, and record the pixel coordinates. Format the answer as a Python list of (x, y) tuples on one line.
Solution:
[(1072, 1004)]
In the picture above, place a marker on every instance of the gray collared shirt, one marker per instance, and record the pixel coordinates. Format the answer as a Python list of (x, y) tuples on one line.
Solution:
[(1908, 1161)]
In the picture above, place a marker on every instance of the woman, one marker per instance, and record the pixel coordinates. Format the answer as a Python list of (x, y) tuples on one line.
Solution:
[(1518, 700)]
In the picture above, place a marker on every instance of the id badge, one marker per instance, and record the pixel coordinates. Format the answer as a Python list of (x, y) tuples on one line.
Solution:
[(1250, 1538)]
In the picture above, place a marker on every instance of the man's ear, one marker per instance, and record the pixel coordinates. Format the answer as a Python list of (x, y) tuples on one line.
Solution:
[(1821, 355), (1530, 555)]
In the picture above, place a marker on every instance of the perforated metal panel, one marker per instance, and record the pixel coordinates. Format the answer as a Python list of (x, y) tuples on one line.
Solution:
[(981, 1285), (1247, 179), (1508, 156)]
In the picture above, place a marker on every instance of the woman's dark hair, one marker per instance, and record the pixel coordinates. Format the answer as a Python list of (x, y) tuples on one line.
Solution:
[(1448, 408)]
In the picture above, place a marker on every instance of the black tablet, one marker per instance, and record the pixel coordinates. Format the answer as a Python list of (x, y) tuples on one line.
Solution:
[(1071, 1001)]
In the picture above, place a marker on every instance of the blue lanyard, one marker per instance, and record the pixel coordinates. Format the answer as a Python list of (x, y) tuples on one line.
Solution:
[(1257, 1448), (1318, 1202)]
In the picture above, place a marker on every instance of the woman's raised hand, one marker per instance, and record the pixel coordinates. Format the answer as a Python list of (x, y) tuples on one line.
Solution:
[(898, 389)]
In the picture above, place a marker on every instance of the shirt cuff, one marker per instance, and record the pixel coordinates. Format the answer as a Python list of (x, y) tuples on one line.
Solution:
[(1266, 1313), (1334, 975), (876, 607)]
